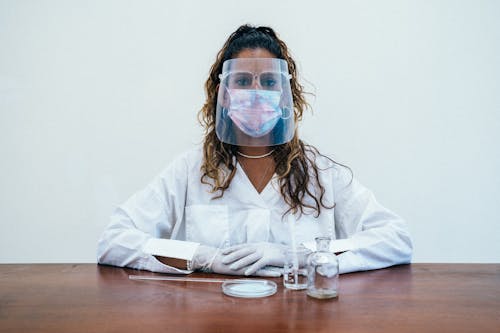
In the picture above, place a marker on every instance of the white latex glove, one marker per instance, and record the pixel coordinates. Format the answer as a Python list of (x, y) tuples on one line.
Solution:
[(211, 259), (253, 257)]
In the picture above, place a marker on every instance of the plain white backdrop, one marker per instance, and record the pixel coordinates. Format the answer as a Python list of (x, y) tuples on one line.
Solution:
[(97, 97)]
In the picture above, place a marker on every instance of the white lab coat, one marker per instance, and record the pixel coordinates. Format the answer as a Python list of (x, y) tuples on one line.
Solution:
[(176, 212)]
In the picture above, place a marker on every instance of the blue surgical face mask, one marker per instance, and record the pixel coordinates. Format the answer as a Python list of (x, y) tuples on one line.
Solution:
[(255, 112)]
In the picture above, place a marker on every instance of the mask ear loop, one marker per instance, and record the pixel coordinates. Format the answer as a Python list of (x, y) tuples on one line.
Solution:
[(286, 111), (226, 92)]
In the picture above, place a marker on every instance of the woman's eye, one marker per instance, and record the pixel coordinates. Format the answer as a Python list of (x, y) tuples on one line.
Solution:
[(241, 80), (269, 83), (268, 80)]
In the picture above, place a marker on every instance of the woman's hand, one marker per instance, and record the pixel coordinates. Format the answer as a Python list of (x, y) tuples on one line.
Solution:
[(212, 259), (253, 257)]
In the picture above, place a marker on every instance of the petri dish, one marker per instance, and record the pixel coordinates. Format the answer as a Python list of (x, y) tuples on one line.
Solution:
[(248, 288)]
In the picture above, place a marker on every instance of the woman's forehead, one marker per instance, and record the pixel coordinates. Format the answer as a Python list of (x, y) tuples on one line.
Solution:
[(253, 65)]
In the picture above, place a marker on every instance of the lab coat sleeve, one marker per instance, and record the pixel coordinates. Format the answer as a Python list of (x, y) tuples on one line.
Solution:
[(143, 225), (377, 237)]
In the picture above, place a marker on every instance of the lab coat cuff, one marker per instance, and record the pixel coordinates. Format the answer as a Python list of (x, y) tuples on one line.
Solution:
[(170, 248), (351, 262), (154, 265), (336, 245)]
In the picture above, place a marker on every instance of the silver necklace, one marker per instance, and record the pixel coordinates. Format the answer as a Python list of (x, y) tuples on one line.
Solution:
[(255, 156), (261, 182)]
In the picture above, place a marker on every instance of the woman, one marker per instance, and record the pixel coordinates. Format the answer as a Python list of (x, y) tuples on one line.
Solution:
[(254, 188)]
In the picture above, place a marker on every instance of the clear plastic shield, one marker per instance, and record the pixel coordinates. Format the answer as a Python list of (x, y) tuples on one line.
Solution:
[(254, 102)]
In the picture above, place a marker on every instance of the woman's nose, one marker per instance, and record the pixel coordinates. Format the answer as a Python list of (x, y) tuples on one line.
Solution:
[(255, 82)]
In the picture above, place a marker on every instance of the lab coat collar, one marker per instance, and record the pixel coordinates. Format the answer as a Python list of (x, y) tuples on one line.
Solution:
[(265, 199)]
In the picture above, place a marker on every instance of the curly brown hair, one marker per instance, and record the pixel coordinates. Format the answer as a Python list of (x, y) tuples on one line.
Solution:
[(295, 161)]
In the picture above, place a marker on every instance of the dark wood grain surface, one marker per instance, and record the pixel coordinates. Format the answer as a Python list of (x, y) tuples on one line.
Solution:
[(92, 298)]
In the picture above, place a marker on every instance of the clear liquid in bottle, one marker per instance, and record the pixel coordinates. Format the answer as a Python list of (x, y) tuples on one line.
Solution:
[(323, 271)]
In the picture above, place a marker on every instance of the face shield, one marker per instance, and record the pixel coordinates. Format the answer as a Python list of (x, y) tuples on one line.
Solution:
[(254, 103)]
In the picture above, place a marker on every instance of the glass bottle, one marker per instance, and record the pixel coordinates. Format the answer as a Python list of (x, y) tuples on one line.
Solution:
[(322, 271)]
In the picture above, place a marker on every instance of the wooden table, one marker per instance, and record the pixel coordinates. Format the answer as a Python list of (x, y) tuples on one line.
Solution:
[(91, 298)]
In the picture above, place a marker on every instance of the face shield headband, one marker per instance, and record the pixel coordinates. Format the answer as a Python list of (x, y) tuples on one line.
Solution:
[(254, 102)]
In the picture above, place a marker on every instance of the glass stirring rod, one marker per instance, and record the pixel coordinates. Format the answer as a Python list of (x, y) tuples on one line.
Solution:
[(172, 278)]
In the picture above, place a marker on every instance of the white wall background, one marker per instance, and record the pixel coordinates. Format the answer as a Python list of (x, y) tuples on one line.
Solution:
[(96, 97)]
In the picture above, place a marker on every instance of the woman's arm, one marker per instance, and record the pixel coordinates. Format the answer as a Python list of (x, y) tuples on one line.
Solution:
[(145, 223), (377, 237)]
